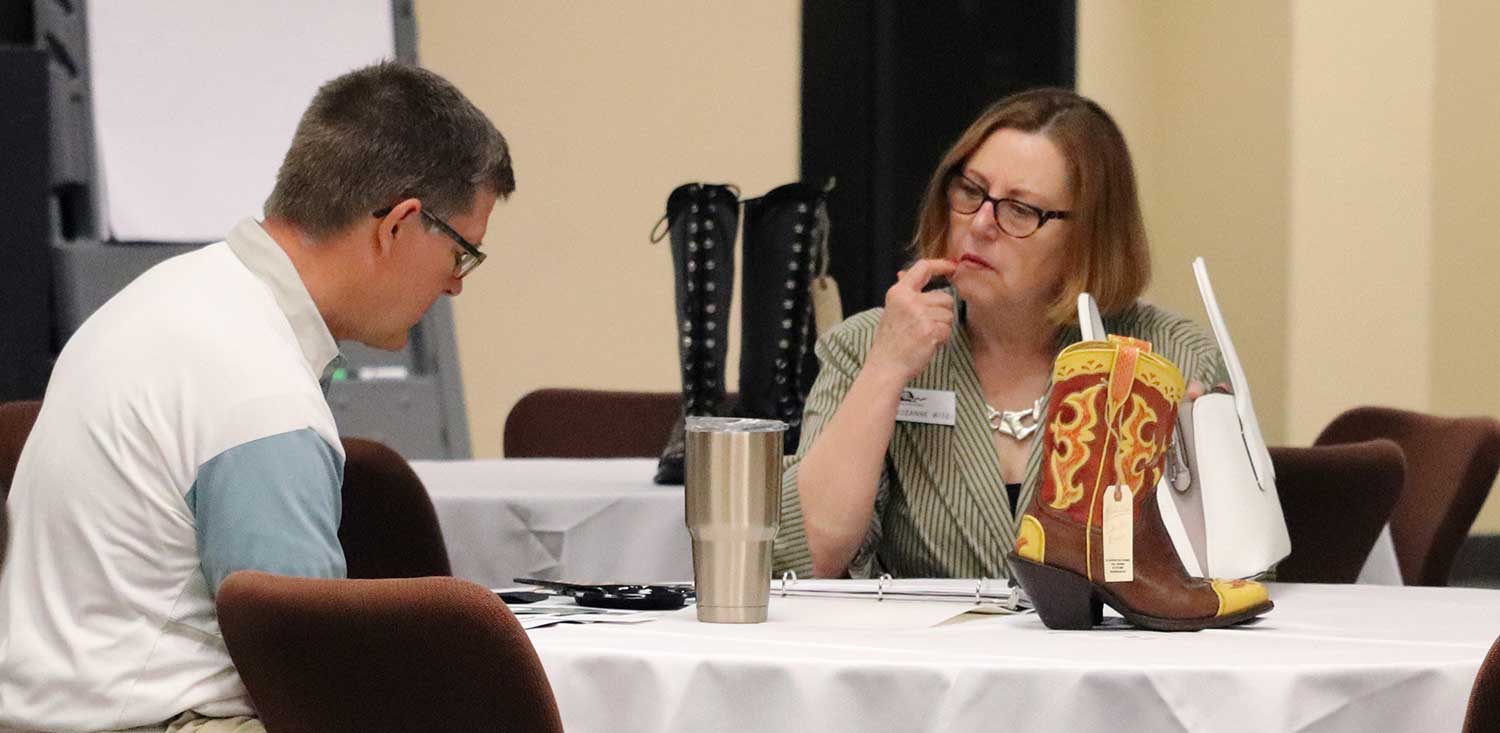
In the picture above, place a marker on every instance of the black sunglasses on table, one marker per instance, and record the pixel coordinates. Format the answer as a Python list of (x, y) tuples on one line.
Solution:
[(634, 597)]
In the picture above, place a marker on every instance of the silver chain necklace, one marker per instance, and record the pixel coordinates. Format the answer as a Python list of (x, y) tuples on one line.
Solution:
[(1018, 424)]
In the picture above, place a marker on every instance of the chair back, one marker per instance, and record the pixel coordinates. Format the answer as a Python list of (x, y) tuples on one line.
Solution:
[(586, 423), (389, 528), (382, 655), (16, 420), (1336, 499), (1451, 465), (1484, 699)]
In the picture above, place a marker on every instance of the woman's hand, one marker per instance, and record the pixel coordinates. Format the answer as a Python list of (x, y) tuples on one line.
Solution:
[(1196, 389), (915, 323), (839, 479)]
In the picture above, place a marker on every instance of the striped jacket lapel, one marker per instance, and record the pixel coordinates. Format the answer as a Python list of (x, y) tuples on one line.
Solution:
[(977, 465)]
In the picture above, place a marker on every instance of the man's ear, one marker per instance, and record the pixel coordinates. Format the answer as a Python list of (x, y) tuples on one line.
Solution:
[(404, 214)]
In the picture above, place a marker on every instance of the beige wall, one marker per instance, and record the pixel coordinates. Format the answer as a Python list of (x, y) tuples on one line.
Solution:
[(1339, 176), (1361, 193), (607, 107), (1337, 162), (1465, 292), (1210, 146)]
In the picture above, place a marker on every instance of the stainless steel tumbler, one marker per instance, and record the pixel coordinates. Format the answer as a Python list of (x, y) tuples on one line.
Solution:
[(733, 494)]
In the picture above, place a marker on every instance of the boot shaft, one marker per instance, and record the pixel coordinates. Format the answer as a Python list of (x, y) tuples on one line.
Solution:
[(784, 243), (1109, 421), (703, 220)]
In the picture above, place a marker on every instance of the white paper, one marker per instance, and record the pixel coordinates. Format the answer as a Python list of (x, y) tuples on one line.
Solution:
[(562, 609), (195, 102)]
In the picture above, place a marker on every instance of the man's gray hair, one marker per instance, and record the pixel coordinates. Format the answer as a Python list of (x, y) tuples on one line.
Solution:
[(380, 134)]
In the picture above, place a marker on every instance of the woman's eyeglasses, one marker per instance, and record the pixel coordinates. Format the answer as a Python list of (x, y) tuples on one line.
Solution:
[(1016, 218)]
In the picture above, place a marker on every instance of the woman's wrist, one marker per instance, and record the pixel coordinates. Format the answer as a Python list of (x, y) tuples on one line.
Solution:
[(885, 378)]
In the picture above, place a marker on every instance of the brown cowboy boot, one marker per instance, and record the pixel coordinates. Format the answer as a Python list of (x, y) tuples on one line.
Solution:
[(1109, 421)]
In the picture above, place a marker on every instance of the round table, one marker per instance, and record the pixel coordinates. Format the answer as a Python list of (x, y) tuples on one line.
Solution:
[(584, 520), (1327, 658)]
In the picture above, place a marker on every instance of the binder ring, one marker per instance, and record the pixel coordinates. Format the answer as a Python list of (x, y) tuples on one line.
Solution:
[(978, 591), (788, 579), (880, 587)]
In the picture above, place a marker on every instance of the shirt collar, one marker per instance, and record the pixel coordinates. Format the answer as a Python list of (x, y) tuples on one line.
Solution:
[(266, 260)]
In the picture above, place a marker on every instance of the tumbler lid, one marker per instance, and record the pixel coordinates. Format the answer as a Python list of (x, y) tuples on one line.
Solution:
[(734, 425)]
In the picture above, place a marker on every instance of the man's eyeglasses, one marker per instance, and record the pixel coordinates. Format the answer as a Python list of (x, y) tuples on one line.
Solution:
[(465, 258), (1016, 218)]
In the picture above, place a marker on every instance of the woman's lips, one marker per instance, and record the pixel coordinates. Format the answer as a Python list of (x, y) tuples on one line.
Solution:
[(976, 261)]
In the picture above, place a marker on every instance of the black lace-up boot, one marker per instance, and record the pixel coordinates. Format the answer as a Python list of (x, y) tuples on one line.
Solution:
[(702, 220), (784, 243)]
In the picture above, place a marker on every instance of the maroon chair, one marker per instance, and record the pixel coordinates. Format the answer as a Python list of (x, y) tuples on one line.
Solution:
[(1484, 700), (1451, 464), (586, 423), (16, 420), (1336, 500), (389, 528), (403, 654)]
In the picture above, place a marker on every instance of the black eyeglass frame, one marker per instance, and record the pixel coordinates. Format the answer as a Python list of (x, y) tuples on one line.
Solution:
[(1042, 215), (461, 267)]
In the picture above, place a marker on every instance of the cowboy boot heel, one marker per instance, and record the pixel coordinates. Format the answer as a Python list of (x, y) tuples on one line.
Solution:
[(1064, 601)]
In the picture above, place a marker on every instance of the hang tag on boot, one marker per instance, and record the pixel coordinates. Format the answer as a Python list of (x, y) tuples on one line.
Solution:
[(828, 310), (1119, 534)]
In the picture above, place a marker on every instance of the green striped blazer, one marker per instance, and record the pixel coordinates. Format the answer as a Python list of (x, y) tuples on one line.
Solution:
[(941, 508)]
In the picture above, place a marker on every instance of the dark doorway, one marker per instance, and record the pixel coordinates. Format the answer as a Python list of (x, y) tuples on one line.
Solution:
[(887, 86)]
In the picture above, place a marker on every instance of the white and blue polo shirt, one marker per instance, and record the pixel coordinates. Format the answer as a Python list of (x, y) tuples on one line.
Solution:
[(184, 435)]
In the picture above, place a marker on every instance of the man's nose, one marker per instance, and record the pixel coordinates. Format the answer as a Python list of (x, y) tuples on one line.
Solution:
[(455, 286)]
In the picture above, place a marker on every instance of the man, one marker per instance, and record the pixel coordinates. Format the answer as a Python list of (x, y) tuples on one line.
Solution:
[(185, 433)]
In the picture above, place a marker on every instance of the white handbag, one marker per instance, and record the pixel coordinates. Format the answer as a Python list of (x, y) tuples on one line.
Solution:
[(1218, 499)]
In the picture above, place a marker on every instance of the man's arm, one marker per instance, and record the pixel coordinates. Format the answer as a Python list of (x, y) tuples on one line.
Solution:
[(271, 504)]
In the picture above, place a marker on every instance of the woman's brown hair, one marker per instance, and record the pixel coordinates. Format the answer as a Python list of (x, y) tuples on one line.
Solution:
[(1107, 254)]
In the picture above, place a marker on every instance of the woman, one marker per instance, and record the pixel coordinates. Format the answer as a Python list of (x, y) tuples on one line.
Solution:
[(920, 435)]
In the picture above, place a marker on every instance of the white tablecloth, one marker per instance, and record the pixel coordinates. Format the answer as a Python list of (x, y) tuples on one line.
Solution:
[(595, 520), (1328, 658), (1381, 566)]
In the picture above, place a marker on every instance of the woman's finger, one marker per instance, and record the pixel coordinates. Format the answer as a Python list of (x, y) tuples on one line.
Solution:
[(940, 314), (923, 271), (937, 298)]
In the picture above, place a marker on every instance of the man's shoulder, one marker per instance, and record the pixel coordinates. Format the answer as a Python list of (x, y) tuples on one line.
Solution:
[(195, 348), (198, 305), (179, 293)]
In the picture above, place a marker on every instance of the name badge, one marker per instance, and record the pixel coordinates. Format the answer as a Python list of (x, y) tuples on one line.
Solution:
[(931, 406)]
